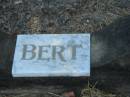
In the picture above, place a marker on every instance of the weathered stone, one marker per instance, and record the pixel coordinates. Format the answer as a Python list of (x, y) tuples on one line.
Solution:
[(52, 55)]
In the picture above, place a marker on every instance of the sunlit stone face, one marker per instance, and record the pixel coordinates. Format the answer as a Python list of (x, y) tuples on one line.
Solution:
[(52, 55)]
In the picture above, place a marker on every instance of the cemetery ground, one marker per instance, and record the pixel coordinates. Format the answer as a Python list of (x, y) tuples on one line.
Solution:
[(35, 90), (104, 82), (47, 16)]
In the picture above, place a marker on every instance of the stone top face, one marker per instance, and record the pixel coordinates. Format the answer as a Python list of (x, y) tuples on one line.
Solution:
[(52, 55)]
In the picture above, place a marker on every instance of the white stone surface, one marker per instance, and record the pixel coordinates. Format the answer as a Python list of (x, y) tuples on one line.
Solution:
[(78, 67)]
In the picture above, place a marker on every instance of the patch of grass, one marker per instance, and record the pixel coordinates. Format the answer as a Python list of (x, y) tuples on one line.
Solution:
[(92, 91)]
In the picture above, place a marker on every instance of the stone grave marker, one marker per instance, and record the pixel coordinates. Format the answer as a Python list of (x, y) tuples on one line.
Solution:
[(52, 55)]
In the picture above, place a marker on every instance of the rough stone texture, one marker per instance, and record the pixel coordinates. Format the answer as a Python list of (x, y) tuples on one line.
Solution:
[(59, 16)]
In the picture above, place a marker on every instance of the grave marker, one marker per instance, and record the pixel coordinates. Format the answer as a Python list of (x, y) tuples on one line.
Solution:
[(52, 55)]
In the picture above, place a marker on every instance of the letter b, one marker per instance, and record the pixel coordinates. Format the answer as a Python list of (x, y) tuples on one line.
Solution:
[(26, 51)]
